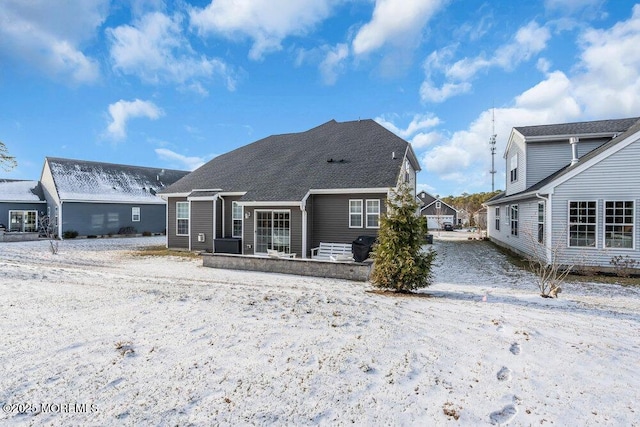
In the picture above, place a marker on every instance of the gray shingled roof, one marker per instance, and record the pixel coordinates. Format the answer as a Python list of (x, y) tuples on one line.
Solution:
[(579, 128), (356, 154), (84, 180)]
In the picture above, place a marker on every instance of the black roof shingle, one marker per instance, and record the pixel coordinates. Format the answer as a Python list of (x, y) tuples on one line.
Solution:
[(355, 154)]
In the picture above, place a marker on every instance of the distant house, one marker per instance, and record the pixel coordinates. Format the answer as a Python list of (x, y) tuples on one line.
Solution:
[(291, 192), (21, 205), (437, 212), (572, 190), (95, 198)]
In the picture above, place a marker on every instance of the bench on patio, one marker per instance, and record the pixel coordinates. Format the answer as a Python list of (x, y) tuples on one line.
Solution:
[(332, 252)]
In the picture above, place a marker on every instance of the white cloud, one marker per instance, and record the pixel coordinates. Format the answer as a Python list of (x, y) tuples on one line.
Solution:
[(419, 123), (528, 41), (155, 50), (395, 21), (333, 63), (608, 80), (266, 22), (122, 111), (48, 35), (190, 163)]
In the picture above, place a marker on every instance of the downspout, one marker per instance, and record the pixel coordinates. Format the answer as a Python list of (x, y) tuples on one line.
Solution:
[(190, 224), (303, 208), (223, 215), (547, 229), (213, 238), (59, 219)]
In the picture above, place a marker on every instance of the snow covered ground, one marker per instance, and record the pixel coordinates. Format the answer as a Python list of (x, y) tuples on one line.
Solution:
[(95, 336)]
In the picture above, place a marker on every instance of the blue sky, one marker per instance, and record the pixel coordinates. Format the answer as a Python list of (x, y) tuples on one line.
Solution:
[(173, 84)]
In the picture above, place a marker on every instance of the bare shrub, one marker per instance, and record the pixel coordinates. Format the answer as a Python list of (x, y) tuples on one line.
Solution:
[(624, 266), (48, 230), (545, 264)]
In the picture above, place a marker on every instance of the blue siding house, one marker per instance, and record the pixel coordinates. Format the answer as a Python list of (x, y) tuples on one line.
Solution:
[(22, 203), (97, 199)]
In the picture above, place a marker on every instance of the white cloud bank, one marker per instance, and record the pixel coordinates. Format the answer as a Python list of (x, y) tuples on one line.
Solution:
[(155, 50), (47, 35), (190, 163), (603, 84), (122, 111), (266, 22)]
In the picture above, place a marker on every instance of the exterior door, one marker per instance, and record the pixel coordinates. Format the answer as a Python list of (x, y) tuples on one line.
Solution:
[(23, 221), (273, 231)]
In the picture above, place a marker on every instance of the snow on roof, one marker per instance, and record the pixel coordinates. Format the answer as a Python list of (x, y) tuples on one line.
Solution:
[(80, 180), (20, 191)]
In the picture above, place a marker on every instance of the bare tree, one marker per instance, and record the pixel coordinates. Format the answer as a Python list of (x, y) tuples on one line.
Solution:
[(545, 263), (7, 162), (48, 230)]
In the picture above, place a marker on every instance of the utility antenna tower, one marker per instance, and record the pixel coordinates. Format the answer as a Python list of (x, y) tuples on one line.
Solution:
[(492, 147)]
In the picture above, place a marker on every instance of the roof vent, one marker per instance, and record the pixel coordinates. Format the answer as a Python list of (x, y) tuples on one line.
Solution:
[(393, 155), (574, 149), (329, 160)]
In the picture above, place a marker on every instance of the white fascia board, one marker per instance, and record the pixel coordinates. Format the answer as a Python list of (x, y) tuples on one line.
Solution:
[(202, 198), (268, 203), (349, 190), (206, 189), (231, 193), (510, 142), (412, 158), (581, 166), (118, 202), (23, 201), (167, 195)]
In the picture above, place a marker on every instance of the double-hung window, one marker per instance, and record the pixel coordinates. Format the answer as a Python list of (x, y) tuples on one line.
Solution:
[(373, 213), (135, 214), (498, 218), (618, 224), (582, 224), (182, 218), (355, 213), (236, 219), (540, 222), (514, 220), (513, 170)]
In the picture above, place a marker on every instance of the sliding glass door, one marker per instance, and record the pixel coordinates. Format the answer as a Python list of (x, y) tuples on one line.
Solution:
[(273, 231)]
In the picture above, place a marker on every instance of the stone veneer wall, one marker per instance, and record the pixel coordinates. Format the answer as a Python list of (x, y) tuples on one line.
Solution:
[(17, 236), (355, 271)]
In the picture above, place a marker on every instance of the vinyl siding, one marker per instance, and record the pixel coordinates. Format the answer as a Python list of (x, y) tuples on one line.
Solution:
[(97, 219), (5, 207), (330, 218), (173, 241), (517, 147), (527, 226), (545, 158), (616, 178), (202, 222), (228, 215)]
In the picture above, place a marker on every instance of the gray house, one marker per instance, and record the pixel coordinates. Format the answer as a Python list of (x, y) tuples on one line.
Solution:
[(21, 205), (572, 190), (290, 192), (95, 198), (437, 212)]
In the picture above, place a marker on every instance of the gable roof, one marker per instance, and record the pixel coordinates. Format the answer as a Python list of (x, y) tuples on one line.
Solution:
[(633, 129), (15, 190), (357, 154), (614, 126), (82, 180)]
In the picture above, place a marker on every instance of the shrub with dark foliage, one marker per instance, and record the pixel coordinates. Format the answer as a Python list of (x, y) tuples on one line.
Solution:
[(400, 262)]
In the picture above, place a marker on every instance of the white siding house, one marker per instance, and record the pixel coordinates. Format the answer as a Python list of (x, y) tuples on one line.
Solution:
[(578, 196)]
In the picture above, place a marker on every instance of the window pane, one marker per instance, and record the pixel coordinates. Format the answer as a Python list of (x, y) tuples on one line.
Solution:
[(619, 224)]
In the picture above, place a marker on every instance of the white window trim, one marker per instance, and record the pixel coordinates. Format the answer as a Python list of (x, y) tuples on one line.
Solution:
[(604, 224), (497, 219), (511, 220), (188, 218), (133, 215), (355, 214), (513, 166), (544, 221), (590, 248), (24, 212), (241, 219), (367, 214)]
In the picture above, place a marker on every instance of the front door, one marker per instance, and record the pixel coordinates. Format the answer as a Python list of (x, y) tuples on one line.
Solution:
[(273, 231), (23, 221)]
